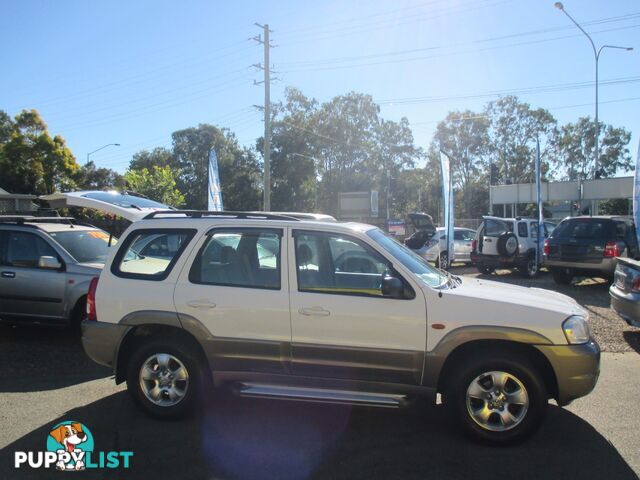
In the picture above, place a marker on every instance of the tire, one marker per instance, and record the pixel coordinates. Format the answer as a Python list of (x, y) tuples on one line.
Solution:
[(507, 244), (485, 269), (466, 397), (562, 277), (531, 268), (443, 261), (78, 314), (153, 358)]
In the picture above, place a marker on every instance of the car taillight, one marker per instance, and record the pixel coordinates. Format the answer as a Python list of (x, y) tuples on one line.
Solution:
[(611, 250), (474, 245), (546, 247), (92, 314), (635, 286)]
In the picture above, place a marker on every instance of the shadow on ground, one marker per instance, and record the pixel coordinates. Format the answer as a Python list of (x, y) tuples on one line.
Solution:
[(633, 339), (246, 438), (36, 358)]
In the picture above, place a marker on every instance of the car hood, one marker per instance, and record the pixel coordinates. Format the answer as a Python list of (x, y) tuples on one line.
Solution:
[(522, 297)]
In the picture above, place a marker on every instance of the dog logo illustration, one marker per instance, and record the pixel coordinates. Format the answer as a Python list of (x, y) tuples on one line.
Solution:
[(70, 441)]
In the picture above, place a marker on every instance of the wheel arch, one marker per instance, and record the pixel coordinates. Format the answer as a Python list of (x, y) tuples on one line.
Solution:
[(474, 347), (139, 334)]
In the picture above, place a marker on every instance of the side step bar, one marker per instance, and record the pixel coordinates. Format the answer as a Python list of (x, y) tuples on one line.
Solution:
[(322, 395)]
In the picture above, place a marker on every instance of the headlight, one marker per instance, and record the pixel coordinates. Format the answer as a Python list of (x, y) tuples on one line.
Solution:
[(576, 329)]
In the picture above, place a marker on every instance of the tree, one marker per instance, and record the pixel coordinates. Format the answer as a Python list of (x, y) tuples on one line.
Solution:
[(238, 167), (576, 150), (513, 129), (158, 184), (89, 177), (158, 157), (31, 160), (464, 137)]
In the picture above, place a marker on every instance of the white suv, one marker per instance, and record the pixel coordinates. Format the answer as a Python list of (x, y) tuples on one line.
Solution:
[(508, 243), (273, 306)]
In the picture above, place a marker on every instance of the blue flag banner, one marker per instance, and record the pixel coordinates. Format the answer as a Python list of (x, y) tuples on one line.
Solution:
[(447, 193), (636, 195), (540, 243), (214, 191)]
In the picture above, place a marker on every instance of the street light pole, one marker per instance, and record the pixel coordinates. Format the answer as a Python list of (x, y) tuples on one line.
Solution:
[(596, 54), (104, 146)]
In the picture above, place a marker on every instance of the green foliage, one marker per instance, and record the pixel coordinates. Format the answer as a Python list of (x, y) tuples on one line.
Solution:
[(615, 206), (157, 183), (31, 161), (89, 177), (576, 150)]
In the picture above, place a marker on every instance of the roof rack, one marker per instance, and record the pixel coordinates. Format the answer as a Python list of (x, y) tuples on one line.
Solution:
[(229, 214), (31, 218)]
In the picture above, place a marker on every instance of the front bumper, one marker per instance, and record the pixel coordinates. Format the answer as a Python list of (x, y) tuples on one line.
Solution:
[(576, 367), (627, 305), (101, 340)]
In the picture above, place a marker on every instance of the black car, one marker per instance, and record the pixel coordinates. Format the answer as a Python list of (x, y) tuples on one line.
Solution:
[(589, 246)]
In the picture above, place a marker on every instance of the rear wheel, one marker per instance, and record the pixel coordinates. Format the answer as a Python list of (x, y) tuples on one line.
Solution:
[(562, 277), (497, 398), (163, 379), (485, 269)]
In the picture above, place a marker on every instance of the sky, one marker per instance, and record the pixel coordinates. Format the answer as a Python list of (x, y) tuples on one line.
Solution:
[(133, 72)]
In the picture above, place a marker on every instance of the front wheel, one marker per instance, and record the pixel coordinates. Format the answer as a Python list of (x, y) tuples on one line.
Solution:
[(562, 277), (163, 379), (498, 399), (531, 269), (485, 269), (443, 261)]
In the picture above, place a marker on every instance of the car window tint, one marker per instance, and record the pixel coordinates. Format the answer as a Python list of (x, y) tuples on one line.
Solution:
[(458, 235), (583, 229), (25, 249), (493, 227), (248, 257), (522, 229), (150, 254), (337, 264)]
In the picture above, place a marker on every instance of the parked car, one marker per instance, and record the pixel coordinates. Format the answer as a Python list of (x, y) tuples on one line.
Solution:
[(424, 228), (589, 246), (46, 265), (311, 327), (435, 250), (508, 243), (625, 291)]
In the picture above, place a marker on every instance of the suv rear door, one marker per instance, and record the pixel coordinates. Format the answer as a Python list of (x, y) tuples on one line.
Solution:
[(580, 240), (490, 230)]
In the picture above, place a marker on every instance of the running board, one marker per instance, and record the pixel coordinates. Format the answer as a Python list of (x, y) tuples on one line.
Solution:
[(322, 395)]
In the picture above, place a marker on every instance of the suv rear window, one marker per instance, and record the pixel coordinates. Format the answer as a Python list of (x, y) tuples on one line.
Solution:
[(584, 229), (150, 254)]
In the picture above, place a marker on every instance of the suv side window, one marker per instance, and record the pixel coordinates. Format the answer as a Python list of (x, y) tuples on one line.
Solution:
[(150, 254), (522, 229), (242, 257), (337, 264), (24, 249)]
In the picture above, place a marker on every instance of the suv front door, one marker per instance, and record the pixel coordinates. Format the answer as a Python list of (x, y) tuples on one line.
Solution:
[(342, 326), (26, 290)]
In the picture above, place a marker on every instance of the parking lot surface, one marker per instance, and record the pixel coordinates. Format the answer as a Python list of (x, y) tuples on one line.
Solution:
[(48, 379)]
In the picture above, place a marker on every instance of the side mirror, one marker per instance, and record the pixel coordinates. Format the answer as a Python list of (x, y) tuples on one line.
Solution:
[(50, 263), (392, 287)]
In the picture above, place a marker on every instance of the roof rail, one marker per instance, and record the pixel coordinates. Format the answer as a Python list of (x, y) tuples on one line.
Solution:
[(230, 214), (31, 218)]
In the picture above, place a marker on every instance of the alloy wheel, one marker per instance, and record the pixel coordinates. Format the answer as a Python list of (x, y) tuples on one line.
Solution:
[(164, 379)]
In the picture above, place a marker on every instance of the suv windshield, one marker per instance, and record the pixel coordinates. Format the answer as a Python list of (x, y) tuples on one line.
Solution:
[(86, 246), (419, 267)]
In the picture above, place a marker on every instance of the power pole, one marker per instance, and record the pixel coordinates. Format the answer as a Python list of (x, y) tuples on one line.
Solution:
[(267, 113)]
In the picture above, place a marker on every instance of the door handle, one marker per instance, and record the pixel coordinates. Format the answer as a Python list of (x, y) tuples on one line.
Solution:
[(8, 274), (314, 311), (201, 304)]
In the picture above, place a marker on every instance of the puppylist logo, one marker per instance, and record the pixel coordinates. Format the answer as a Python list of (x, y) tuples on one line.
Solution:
[(70, 447)]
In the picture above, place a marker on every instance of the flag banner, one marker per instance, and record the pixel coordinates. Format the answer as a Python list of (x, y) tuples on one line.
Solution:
[(540, 243), (214, 203), (447, 194), (636, 195)]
